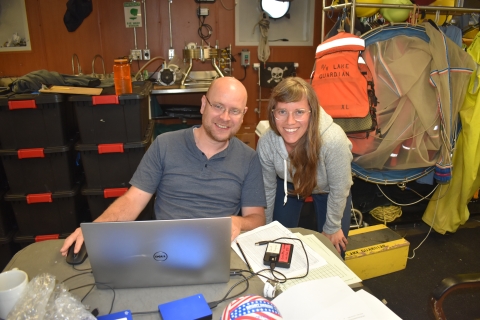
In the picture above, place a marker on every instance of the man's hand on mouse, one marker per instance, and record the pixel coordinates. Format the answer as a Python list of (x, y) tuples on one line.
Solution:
[(77, 237)]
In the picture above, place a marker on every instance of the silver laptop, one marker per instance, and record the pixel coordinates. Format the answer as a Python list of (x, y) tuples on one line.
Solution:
[(159, 252)]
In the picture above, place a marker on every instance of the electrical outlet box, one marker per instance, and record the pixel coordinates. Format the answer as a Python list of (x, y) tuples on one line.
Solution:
[(136, 54), (202, 12), (245, 57), (146, 54), (171, 54)]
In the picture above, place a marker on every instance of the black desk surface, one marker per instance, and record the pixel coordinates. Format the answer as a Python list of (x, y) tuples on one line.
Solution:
[(45, 257)]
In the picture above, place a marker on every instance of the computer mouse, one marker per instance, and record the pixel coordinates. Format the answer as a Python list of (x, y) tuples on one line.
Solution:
[(78, 258)]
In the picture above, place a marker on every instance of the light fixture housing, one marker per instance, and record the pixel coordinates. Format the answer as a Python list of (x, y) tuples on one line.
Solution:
[(275, 9)]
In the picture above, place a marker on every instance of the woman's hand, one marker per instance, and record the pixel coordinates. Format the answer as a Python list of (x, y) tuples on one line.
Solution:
[(338, 240)]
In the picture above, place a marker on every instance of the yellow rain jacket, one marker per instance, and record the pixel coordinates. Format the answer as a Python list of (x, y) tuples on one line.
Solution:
[(450, 209)]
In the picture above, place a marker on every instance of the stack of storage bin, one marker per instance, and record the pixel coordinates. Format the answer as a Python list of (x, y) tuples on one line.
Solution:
[(7, 224), (115, 132), (37, 137)]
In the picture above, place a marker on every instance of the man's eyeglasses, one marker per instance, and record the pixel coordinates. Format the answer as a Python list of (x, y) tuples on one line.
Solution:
[(219, 109), (298, 114)]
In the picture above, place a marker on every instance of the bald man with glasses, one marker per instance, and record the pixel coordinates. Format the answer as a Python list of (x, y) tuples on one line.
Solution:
[(200, 172)]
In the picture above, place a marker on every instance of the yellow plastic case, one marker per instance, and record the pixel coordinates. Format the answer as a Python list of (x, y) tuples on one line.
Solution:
[(376, 250)]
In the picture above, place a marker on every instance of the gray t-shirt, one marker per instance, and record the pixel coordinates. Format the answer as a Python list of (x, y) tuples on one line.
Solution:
[(188, 185)]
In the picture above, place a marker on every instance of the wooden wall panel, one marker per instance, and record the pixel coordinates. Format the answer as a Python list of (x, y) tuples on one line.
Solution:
[(103, 32), (60, 44)]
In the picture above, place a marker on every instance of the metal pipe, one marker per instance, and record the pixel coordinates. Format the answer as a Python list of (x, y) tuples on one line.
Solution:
[(352, 21), (353, 5), (145, 22), (170, 22), (146, 65), (214, 61), (93, 64), (229, 59), (79, 68), (214, 64), (450, 10), (323, 21), (135, 37), (182, 83), (135, 34)]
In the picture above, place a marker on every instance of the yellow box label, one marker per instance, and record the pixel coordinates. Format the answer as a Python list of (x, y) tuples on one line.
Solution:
[(377, 248)]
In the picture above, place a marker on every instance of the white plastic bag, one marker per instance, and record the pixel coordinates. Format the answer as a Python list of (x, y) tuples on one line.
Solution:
[(44, 299)]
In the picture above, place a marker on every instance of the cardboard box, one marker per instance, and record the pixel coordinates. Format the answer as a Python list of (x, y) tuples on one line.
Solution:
[(376, 250), (247, 135)]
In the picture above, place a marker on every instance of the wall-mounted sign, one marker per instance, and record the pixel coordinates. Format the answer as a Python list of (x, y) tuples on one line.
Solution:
[(133, 14)]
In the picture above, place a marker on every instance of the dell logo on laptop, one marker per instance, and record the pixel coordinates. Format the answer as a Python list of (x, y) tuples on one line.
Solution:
[(160, 256)]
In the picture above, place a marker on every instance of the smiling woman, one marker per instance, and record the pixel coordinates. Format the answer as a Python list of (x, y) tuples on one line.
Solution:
[(305, 154)]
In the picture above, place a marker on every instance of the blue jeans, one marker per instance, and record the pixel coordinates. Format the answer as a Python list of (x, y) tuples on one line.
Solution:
[(289, 214)]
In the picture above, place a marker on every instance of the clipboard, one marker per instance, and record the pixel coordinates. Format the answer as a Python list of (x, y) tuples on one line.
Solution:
[(71, 90)]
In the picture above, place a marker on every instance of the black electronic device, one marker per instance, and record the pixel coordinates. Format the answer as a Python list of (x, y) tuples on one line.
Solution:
[(278, 254), (77, 258), (167, 77)]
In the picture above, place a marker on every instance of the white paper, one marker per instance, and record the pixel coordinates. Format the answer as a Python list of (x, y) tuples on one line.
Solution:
[(307, 299), (272, 231), (333, 267), (348, 307), (332, 299), (380, 310)]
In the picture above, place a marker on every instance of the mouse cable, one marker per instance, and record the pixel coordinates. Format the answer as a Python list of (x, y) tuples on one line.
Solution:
[(113, 290), (85, 285), (88, 293), (94, 312), (93, 285), (283, 278), (86, 269), (245, 279), (76, 275), (214, 304), (234, 272), (113, 300)]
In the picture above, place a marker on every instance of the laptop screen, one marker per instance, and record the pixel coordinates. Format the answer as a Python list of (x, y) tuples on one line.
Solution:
[(160, 252)]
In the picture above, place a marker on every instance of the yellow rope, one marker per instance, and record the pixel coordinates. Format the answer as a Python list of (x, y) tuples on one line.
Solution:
[(386, 213)]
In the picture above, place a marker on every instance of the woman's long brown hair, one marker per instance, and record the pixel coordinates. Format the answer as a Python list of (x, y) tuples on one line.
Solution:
[(306, 153)]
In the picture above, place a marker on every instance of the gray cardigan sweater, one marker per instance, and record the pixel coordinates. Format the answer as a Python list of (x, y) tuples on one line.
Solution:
[(333, 170)]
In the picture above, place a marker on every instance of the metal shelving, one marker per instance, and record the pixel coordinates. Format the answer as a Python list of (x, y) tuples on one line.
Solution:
[(353, 5)]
